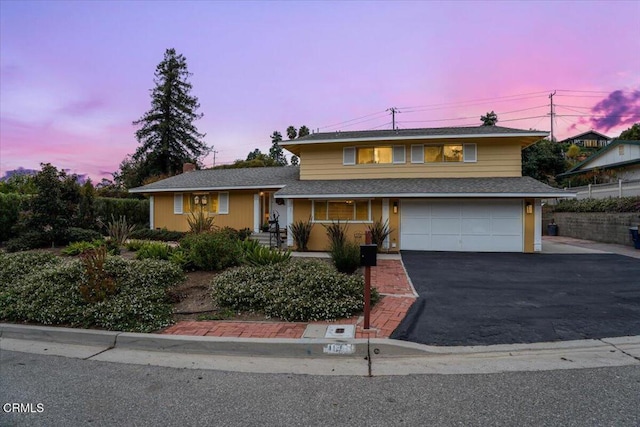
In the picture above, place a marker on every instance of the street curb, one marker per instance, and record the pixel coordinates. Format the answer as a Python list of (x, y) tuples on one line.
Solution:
[(288, 347), (87, 337)]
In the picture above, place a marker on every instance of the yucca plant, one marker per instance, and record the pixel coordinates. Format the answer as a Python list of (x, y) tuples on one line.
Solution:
[(118, 230), (379, 232), (200, 223), (301, 232)]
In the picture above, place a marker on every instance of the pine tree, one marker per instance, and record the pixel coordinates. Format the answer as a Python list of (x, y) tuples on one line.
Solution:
[(167, 135), (275, 152), (490, 119)]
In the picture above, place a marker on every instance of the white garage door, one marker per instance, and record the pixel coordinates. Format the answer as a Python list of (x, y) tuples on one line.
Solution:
[(491, 225)]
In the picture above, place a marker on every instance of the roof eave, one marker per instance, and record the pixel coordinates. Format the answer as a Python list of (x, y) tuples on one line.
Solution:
[(187, 189), (562, 195), (294, 143)]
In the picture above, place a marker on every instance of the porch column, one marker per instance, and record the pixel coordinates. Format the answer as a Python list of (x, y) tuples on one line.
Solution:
[(537, 229), (289, 222), (385, 219), (151, 209), (256, 213)]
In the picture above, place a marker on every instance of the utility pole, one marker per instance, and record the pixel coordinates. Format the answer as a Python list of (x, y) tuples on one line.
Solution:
[(552, 114), (214, 157), (393, 110)]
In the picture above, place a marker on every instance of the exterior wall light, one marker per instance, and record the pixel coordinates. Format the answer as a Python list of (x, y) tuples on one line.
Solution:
[(395, 207), (529, 207)]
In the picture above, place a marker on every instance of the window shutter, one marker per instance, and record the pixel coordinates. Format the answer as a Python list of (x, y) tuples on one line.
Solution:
[(349, 156), (177, 203), (470, 153), (223, 202), (417, 153), (399, 154)]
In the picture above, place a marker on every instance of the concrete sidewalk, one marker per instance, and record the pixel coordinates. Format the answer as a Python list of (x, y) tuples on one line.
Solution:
[(570, 245), (358, 357)]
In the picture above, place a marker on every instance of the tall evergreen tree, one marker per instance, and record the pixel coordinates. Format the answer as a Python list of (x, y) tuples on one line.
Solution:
[(275, 152), (490, 119), (167, 136)]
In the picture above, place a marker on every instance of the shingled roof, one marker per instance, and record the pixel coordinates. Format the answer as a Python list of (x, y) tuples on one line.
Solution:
[(225, 179), (416, 133), (421, 187)]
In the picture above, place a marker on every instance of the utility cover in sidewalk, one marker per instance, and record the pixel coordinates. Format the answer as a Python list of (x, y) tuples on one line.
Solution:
[(340, 331)]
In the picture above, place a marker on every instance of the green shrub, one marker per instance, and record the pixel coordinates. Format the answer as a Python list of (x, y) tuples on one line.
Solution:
[(622, 204), (135, 210), (211, 251), (301, 232), (51, 295), (134, 244), (154, 250), (28, 240), (77, 248), (10, 205), (298, 290), (14, 266), (256, 254), (158, 234), (346, 257), (379, 232), (235, 234), (180, 257), (75, 234)]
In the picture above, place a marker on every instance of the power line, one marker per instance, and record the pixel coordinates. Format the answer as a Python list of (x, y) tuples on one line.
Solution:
[(474, 100), (352, 120)]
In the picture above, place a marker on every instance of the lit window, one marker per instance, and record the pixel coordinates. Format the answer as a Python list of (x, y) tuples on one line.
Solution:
[(442, 153), (343, 210), (368, 155)]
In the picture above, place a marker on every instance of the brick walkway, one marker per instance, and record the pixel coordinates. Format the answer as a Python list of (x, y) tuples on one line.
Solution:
[(389, 278)]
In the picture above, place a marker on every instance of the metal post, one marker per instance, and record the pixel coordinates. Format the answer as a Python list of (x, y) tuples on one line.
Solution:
[(367, 285), (619, 188)]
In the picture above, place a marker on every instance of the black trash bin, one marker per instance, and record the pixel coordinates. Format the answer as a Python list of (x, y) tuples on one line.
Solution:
[(635, 237), (552, 229)]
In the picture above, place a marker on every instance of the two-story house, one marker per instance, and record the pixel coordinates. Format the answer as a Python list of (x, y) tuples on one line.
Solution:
[(440, 189), (589, 140)]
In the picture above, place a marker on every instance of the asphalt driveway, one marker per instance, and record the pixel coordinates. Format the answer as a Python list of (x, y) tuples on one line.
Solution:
[(485, 298)]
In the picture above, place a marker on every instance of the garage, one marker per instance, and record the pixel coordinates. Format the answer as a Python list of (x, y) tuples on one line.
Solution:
[(487, 225)]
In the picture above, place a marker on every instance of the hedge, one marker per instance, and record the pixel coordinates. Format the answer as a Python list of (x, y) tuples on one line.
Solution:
[(10, 206), (135, 210), (610, 205)]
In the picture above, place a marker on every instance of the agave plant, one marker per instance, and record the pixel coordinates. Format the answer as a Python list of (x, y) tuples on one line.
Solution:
[(118, 230)]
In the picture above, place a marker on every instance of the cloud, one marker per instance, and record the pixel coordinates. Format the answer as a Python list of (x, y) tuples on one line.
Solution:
[(616, 109)]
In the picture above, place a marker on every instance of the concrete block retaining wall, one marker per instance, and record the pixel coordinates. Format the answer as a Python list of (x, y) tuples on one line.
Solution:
[(599, 227)]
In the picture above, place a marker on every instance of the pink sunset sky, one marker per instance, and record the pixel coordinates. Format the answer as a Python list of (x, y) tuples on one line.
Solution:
[(74, 75)]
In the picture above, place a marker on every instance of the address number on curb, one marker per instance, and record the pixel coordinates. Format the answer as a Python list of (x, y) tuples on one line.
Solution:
[(339, 349)]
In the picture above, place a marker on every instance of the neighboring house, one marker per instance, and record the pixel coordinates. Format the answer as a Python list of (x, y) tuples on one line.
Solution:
[(440, 189), (621, 159), (591, 139)]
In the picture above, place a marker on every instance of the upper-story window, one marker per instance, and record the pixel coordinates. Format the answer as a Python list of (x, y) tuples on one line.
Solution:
[(373, 155), (443, 153)]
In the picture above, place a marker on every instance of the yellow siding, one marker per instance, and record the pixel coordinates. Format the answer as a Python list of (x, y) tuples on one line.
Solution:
[(240, 211), (496, 158), (529, 226), (355, 231)]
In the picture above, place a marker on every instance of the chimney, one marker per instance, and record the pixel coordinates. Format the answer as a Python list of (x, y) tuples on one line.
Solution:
[(188, 167)]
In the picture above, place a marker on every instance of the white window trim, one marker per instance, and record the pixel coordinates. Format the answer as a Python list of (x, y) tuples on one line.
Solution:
[(224, 211), (475, 153), (329, 221), (420, 158), (404, 155), (345, 150), (178, 200)]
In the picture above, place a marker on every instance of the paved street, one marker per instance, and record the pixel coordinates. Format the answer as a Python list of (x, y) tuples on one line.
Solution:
[(483, 298), (77, 392)]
